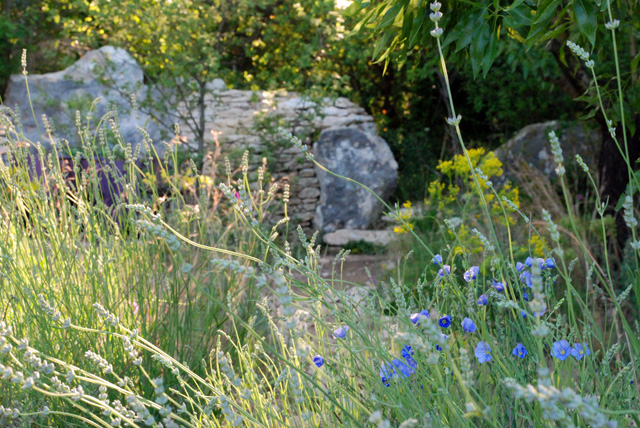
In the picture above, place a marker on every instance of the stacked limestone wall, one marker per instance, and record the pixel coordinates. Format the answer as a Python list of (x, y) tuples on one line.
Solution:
[(248, 120)]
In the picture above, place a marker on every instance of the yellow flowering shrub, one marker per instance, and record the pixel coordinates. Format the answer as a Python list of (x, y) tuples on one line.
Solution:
[(405, 215), (538, 246), (457, 172)]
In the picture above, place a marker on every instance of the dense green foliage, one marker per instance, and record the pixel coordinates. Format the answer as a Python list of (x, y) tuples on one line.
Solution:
[(306, 47)]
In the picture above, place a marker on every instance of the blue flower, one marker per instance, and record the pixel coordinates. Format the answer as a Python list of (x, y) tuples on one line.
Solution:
[(468, 325), (525, 295), (520, 267), (520, 351), (561, 350), (402, 367), (483, 300), (529, 262), (550, 263), (523, 313), (318, 361), (445, 269), (445, 337), (445, 321), (483, 352), (386, 373), (472, 273), (341, 332), (526, 278), (437, 259), (499, 286), (415, 318), (407, 351), (580, 350)]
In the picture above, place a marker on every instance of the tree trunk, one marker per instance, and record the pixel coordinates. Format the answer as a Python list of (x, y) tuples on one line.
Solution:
[(612, 170), (614, 175)]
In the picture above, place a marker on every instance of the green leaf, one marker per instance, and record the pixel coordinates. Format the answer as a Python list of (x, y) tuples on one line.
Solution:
[(541, 23), (389, 17), (481, 37), (467, 29), (415, 29), (629, 191), (518, 16), (490, 54), (407, 24), (381, 43), (584, 12)]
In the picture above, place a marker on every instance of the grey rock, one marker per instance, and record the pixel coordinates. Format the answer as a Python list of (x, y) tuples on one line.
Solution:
[(531, 144), (346, 236), (108, 72), (216, 85), (362, 157)]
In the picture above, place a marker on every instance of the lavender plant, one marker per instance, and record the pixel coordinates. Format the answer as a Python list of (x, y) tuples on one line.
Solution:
[(489, 340)]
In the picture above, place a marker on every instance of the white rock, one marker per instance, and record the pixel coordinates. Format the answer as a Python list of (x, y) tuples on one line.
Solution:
[(345, 236)]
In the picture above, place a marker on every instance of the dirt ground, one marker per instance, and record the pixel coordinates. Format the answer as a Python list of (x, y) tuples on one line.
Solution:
[(353, 270)]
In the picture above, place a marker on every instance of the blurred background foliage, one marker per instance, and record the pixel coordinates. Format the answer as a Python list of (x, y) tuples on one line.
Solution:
[(305, 46)]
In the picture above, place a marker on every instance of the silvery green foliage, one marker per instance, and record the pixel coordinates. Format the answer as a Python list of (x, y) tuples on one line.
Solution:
[(629, 217), (556, 150), (378, 420), (581, 53), (551, 398)]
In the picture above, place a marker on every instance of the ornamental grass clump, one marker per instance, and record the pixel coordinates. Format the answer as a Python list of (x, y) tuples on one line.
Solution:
[(155, 327)]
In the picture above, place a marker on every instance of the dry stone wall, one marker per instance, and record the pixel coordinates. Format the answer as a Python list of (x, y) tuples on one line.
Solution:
[(247, 120)]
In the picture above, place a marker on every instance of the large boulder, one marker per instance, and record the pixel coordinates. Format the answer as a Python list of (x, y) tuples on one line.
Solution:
[(362, 157), (108, 72), (531, 145)]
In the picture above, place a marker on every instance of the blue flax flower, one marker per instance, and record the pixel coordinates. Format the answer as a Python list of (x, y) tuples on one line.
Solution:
[(437, 259), (520, 267), (415, 318), (445, 337), (550, 263), (445, 321), (483, 300), (386, 373), (561, 350), (483, 352), (404, 369), (445, 269), (341, 332), (472, 273), (468, 325), (520, 351), (523, 313), (499, 286), (525, 295), (318, 361), (407, 354), (529, 262), (407, 351), (580, 350), (526, 278)]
